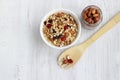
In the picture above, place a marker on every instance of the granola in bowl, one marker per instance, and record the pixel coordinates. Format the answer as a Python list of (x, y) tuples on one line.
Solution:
[(60, 29)]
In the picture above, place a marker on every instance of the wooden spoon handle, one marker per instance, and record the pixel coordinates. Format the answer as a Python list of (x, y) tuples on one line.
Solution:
[(105, 28)]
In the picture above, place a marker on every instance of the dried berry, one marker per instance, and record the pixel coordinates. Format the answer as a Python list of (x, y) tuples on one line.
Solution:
[(63, 38), (57, 37), (50, 20), (54, 37), (65, 61), (54, 31), (45, 22), (70, 61), (69, 26), (65, 19), (65, 27), (49, 25)]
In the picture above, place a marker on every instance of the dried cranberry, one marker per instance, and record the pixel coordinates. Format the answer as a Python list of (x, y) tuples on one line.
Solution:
[(65, 27), (49, 25), (70, 61), (63, 38)]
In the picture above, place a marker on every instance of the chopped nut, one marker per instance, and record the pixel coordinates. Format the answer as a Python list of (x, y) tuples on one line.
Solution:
[(66, 34), (67, 57), (72, 32), (93, 11), (89, 20), (95, 15), (91, 15), (84, 16)]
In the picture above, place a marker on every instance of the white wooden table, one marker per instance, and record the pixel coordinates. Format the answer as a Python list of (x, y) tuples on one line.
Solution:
[(24, 56)]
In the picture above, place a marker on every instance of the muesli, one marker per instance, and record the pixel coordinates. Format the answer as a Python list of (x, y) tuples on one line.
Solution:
[(60, 29)]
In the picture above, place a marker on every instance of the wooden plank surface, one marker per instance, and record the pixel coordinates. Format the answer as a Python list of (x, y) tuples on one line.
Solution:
[(24, 56)]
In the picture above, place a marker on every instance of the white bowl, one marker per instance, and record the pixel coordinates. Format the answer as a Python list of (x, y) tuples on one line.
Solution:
[(66, 11)]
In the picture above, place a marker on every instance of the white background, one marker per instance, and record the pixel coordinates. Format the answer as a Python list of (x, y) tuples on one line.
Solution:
[(24, 56)]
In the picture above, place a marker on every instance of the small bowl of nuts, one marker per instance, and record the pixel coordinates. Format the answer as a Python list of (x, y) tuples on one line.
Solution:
[(91, 16), (60, 28)]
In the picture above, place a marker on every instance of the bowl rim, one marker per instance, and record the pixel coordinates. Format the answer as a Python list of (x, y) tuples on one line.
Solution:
[(66, 11)]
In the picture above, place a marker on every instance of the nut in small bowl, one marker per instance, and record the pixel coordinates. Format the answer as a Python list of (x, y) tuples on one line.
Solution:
[(60, 29), (91, 16)]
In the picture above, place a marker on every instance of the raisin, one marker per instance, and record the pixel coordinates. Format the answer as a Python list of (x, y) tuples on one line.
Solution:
[(65, 19), (50, 20), (69, 26), (57, 37), (45, 22), (54, 31)]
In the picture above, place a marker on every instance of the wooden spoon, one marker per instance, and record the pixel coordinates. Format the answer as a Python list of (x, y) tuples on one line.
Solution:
[(76, 52)]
